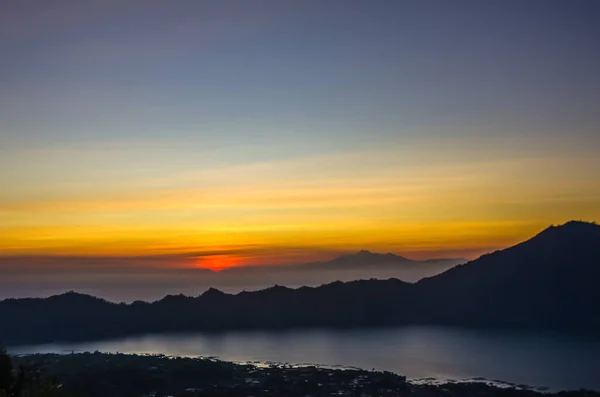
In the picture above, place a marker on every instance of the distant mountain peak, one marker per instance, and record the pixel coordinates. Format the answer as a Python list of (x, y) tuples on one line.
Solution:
[(370, 254), (72, 296), (175, 298), (366, 257), (379, 265), (278, 287), (213, 292)]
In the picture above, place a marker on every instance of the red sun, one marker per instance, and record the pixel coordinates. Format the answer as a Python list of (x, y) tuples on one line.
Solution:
[(216, 262)]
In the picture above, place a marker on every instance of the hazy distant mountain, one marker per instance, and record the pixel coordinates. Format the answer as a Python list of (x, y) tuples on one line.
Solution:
[(119, 280), (547, 282), (368, 259), (361, 265)]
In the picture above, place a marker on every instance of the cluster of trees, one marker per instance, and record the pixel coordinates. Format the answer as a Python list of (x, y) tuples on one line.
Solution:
[(20, 382)]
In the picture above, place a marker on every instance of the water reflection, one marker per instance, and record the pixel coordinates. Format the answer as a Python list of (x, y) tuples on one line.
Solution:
[(555, 361)]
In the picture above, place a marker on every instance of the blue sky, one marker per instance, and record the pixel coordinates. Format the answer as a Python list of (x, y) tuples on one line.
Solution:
[(352, 124), (335, 72)]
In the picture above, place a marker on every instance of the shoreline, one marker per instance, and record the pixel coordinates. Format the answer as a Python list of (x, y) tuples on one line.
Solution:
[(159, 375)]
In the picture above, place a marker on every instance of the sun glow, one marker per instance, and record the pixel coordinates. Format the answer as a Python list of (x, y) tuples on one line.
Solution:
[(216, 263)]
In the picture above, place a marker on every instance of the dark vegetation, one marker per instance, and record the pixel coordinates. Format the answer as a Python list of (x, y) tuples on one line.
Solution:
[(120, 375), (21, 380), (550, 282)]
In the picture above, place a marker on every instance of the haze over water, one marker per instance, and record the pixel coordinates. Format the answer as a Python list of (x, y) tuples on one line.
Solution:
[(559, 362)]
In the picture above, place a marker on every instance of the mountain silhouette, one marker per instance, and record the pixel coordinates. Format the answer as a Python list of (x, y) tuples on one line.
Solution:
[(366, 258), (547, 282), (40, 276), (360, 265), (550, 280)]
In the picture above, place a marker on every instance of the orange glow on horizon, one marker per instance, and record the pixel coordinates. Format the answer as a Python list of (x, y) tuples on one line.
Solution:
[(216, 263), (298, 211)]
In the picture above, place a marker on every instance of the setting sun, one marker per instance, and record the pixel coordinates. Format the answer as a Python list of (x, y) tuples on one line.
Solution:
[(216, 263)]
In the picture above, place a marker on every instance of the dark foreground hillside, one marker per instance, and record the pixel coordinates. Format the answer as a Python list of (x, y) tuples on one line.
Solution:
[(547, 282), (119, 375)]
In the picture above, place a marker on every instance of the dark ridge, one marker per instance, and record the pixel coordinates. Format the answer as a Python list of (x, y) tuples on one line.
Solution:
[(547, 282), (213, 293)]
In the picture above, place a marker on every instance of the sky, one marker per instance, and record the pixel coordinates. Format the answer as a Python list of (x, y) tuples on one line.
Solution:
[(223, 133)]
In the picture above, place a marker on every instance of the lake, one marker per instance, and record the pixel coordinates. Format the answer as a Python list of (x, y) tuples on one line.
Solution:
[(555, 361)]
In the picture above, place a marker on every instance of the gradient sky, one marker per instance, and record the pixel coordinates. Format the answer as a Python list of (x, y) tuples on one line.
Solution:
[(224, 133)]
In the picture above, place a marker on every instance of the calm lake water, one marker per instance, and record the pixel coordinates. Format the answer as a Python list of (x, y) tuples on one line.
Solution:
[(542, 360)]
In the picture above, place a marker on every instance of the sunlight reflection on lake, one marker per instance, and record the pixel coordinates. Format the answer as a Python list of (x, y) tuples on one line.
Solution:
[(554, 361)]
